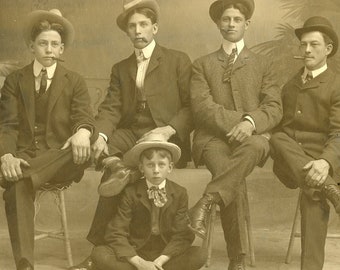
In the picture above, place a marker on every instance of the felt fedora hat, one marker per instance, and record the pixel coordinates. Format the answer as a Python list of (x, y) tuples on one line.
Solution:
[(217, 8), (52, 16), (129, 5), (131, 158), (321, 24)]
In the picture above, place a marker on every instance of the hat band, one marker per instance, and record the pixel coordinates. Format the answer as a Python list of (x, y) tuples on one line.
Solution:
[(131, 4)]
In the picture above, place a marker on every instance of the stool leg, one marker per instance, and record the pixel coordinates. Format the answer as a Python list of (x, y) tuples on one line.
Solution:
[(249, 227), (210, 233), (293, 232), (65, 228)]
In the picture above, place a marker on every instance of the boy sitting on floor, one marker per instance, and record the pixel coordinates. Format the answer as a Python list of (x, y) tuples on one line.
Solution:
[(150, 230)]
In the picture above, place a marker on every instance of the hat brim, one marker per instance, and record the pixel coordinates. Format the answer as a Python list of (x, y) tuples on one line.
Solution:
[(122, 18), (323, 29), (40, 15), (217, 8), (131, 158)]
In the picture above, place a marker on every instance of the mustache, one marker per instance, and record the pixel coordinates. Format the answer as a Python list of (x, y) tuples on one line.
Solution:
[(58, 59)]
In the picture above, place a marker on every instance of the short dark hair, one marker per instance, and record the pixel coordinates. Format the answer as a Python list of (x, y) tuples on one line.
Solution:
[(149, 153), (45, 25), (241, 7), (147, 12)]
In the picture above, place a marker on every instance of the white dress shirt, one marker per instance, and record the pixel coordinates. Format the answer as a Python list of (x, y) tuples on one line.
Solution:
[(37, 67)]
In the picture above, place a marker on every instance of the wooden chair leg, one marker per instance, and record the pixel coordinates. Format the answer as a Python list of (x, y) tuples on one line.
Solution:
[(65, 228), (208, 243), (293, 232), (249, 227)]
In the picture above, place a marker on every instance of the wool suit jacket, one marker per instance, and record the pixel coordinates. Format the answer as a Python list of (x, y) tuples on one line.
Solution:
[(166, 83), (130, 229), (68, 109), (312, 116), (217, 106)]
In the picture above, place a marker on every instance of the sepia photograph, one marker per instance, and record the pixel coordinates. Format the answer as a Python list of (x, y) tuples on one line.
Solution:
[(169, 134)]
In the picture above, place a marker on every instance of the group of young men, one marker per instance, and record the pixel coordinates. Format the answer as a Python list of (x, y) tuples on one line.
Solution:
[(156, 97)]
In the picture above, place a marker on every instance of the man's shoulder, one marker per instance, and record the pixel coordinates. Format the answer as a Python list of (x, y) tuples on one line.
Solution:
[(178, 188)]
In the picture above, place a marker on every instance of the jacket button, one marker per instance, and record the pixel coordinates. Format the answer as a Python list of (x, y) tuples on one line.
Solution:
[(299, 112)]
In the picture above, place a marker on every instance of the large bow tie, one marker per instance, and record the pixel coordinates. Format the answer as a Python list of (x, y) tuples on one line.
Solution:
[(158, 195)]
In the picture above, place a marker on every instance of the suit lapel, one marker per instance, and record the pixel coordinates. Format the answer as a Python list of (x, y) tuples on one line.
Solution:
[(155, 60), (169, 193), (241, 59), (56, 88), (143, 195), (132, 66), (314, 83), (27, 88)]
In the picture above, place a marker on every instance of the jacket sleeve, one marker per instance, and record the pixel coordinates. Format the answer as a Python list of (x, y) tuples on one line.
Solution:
[(182, 237), (269, 112), (9, 119), (207, 113), (117, 231), (109, 112), (331, 150), (81, 114), (182, 121)]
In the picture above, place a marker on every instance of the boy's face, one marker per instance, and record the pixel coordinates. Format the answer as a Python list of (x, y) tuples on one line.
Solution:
[(232, 25), (140, 30), (315, 50), (47, 45), (155, 169)]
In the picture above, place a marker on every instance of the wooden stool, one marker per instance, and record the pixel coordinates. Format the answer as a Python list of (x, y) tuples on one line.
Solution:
[(243, 214), (62, 234), (294, 232)]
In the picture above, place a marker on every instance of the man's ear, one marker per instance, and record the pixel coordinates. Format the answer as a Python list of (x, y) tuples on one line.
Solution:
[(171, 166), (62, 48), (247, 24), (329, 49), (155, 28), (140, 167), (31, 47)]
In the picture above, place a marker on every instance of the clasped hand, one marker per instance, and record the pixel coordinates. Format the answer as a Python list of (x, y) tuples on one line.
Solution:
[(317, 172), (80, 143), (241, 131)]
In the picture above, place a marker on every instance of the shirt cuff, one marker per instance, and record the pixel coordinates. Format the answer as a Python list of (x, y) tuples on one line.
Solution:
[(103, 135), (251, 120)]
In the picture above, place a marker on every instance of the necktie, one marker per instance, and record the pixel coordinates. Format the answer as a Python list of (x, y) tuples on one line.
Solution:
[(158, 195), (140, 57), (229, 67), (43, 82), (309, 77)]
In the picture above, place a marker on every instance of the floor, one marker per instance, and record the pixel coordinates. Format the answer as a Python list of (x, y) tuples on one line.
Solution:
[(271, 205)]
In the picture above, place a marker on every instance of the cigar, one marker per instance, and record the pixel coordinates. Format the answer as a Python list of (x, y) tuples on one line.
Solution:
[(299, 57), (57, 59)]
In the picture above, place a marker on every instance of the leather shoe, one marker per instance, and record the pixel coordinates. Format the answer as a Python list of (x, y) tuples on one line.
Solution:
[(237, 263), (115, 178), (24, 265), (332, 193), (87, 264), (198, 215)]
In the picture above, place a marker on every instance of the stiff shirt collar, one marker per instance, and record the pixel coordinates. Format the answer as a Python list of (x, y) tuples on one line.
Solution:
[(161, 185), (314, 73), (148, 50), (229, 46), (37, 67)]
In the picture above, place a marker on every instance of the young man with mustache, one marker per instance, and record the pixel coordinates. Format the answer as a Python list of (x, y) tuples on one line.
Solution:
[(306, 147)]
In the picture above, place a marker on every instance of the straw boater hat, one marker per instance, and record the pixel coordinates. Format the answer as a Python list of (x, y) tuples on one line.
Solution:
[(321, 24), (53, 16), (218, 7), (131, 158), (133, 4)]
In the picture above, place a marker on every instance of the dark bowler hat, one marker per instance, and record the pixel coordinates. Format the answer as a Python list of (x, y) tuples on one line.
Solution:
[(133, 4), (52, 16), (218, 7), (321, 24)]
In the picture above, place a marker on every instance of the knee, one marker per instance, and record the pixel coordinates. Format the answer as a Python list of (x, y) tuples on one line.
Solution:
[(257, 144), (200, 255), (100, 256)]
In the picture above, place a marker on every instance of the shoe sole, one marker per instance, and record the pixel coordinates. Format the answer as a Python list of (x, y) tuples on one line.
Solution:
[(113, 186)]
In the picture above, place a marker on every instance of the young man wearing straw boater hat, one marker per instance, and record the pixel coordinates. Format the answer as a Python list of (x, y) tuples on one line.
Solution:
[(306, 147), (235, 102), (45, 125), (148, 93), (150, 229)]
